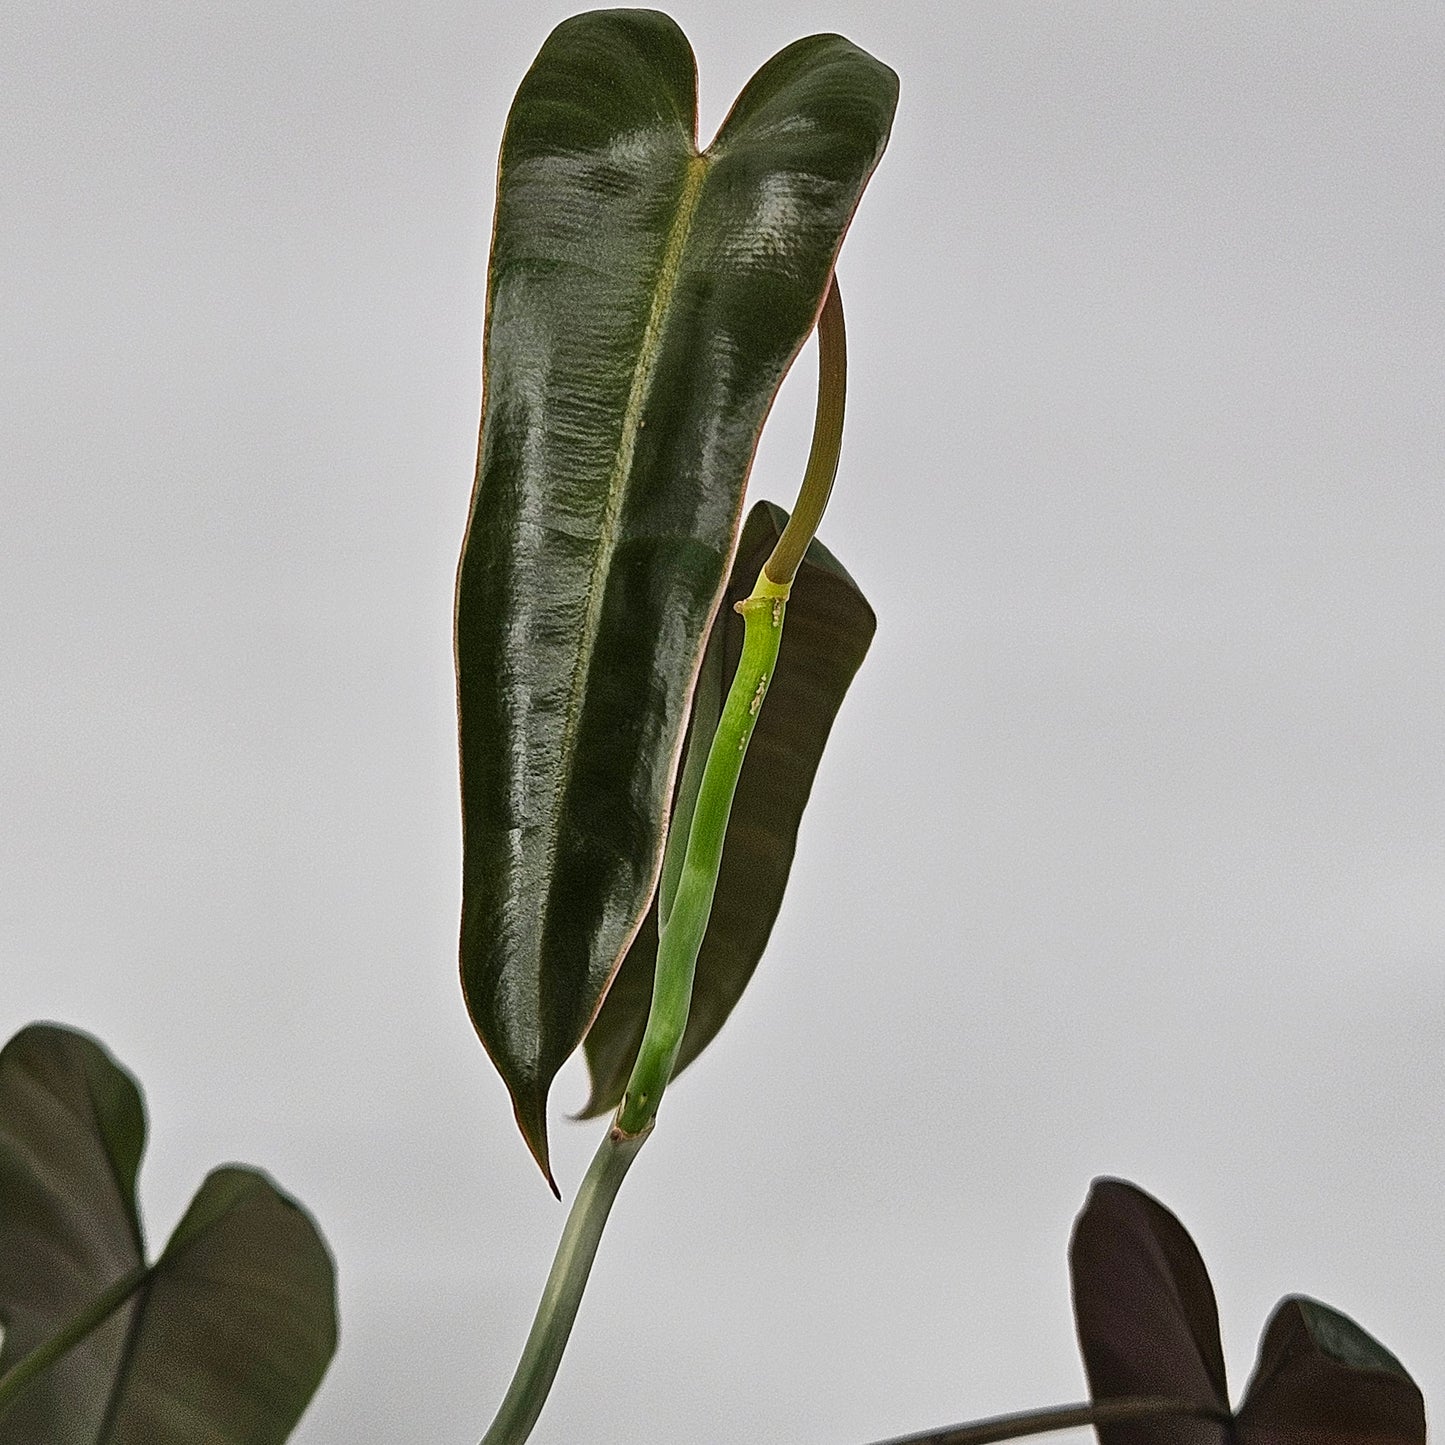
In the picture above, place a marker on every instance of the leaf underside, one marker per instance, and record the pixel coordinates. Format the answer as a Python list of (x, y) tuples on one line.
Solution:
[(825, 638), (232, 1330), (644, 304)]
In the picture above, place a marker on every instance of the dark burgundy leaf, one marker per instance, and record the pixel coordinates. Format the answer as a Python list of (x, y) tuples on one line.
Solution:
[(1146, 1316), (1321, 1380)]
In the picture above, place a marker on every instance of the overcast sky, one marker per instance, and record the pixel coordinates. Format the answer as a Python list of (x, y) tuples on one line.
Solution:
[(1128, 856)]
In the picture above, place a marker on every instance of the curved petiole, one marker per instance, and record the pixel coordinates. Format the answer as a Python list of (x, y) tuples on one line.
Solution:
[(827, 445)]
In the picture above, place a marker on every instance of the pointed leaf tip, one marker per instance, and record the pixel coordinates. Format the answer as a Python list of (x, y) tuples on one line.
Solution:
[(531, 1116)]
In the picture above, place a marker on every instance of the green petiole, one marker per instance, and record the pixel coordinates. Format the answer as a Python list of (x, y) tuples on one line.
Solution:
[(822, 466), (691, 897), (562, 1294), (681, 938)]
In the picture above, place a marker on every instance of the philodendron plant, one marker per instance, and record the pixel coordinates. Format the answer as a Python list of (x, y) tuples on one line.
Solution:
[(645, 683)]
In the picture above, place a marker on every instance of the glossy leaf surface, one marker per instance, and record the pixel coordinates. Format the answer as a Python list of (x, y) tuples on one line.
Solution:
[(225, 1338), (1148, 1327), (826, 635), (644, 303)]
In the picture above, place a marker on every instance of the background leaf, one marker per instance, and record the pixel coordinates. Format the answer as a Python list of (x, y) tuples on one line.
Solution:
[(1146, 1315), (644, 303), (826, 635), (228, 1336), (1321, 1380), (72, 1128)]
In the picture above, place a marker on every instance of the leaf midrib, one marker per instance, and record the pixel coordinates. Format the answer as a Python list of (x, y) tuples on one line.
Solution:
[(669, 270), (136, 1326)]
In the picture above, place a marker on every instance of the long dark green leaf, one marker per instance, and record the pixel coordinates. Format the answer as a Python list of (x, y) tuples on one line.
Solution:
[(644, 302), (829, 627), (225, 1337)]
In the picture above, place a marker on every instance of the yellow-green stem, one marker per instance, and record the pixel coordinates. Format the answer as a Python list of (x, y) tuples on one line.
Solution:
[(681, 938), (689, 897), (827, 445)]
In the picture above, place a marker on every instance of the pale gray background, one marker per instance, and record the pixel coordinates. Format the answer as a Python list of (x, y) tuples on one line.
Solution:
[(1128, 856)]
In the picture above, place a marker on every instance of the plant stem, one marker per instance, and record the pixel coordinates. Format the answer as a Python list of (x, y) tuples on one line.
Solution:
[(671, 998), (65, 1339), (686, 920), (557, 1308), (681, 938), (688, 900), (1058, 1417), (707, 702), (822, 466)]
